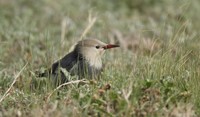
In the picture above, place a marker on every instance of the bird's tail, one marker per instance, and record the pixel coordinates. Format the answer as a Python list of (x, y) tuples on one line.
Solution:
[(45, 74), (42, 73), (40, 78)]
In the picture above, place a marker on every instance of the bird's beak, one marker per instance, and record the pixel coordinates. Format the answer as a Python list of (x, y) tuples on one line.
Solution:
[(109, 46)]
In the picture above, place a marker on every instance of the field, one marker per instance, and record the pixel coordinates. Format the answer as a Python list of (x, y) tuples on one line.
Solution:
[(155, 72)]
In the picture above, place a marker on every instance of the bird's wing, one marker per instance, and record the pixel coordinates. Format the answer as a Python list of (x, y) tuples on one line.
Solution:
[(68, 62)]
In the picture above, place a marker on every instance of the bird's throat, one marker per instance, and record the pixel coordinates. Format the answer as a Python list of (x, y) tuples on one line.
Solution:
[(95, 62)]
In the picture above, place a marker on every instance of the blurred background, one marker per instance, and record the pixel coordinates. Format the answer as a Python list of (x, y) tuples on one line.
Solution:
[(155, 72), (34, 28)]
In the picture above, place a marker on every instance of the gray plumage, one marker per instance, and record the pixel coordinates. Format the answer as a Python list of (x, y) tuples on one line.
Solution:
[(84, 61)]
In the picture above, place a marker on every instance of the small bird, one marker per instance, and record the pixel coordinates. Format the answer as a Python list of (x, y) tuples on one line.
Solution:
[(84, 61)]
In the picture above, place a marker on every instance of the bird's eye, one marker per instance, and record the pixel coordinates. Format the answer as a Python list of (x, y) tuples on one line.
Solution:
[(97, 47)]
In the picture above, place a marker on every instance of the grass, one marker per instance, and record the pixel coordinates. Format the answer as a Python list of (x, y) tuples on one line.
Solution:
[(154, 73)]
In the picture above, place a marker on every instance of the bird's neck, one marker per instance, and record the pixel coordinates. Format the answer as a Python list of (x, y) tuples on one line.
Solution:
[(94, 61)]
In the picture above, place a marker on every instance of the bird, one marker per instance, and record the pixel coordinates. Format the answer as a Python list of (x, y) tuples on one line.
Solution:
[(84, 61)]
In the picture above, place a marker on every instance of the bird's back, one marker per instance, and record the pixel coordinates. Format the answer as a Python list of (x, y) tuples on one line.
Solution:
[(75, 64)]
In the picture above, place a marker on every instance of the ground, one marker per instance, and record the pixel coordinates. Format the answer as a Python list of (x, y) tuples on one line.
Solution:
[(155, 72)]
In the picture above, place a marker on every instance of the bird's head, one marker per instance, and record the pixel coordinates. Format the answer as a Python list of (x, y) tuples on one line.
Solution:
[(92, 50)]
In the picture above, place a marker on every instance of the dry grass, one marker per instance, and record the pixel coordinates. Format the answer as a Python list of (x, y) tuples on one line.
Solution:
[(154, 73)]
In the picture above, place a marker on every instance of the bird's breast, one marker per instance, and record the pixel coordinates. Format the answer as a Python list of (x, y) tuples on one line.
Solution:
[(84, 69), (96, 63)]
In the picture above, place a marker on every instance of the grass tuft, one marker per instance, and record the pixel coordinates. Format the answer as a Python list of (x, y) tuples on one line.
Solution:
[(154, 73)]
